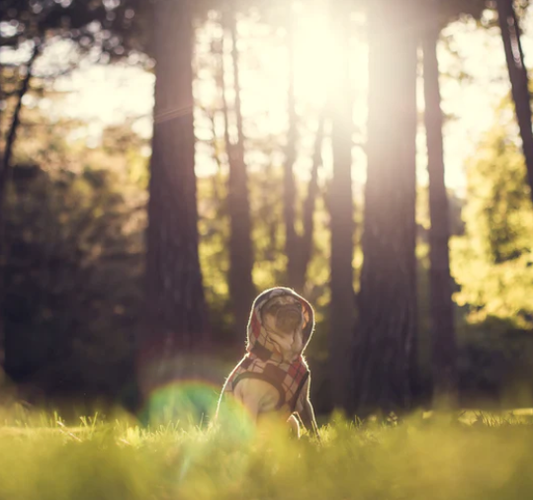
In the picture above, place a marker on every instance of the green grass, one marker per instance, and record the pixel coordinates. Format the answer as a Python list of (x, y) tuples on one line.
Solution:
[(476, 456)]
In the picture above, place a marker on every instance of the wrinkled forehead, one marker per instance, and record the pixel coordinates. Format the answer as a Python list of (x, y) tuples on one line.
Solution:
[(271, 305), (280, 300)]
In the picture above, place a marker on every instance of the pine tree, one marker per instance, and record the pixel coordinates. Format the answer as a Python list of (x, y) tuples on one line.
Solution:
[(514, 56), (341, 208), (387, 299), (444, 350), (241, 286), (176, 311)]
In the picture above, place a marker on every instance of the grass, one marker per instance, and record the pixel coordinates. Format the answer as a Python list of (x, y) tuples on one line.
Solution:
[(477, 456)]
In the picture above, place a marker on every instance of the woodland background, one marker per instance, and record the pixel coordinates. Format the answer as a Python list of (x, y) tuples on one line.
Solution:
[(130, 259)]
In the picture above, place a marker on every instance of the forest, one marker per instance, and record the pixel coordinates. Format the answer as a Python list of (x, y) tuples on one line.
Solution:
[(162, 163)]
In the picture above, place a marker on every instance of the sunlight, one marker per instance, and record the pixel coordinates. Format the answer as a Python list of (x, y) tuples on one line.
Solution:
[(315, 55), (318, 64), (165, 163), (104, 96)]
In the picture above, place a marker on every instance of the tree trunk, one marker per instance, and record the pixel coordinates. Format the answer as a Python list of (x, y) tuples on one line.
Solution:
[(5, 174), (444, 348), (298, 246), (514, 55), (289, 186), (340, 201), (176, 312), (241, 287), (305, 241), (387, 298)]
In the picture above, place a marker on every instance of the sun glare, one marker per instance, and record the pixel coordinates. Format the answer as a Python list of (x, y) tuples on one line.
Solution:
[(264, 68), (315, 59), (106, 95)]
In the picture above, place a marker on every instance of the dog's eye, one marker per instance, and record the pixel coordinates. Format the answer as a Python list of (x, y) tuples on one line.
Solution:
[(273, 309)]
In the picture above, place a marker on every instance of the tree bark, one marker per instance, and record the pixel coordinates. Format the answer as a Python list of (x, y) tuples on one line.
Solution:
[(176, 325), (305, 241), (15, 121), (298, 246), (216, 178), (444, 347), (340, 201), (387, 298), (5, 174), (289, 185), (241, 287), (514, 55)]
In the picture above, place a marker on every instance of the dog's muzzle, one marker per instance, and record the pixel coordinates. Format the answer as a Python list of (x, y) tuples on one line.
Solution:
[(289, 317)]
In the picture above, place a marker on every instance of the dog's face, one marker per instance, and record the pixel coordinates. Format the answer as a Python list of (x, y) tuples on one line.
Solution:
[(283, 319)]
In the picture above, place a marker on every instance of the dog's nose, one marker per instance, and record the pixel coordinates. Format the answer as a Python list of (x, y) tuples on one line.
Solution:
[(288, 318)]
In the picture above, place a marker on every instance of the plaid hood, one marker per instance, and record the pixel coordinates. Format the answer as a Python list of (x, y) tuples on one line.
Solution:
[(261, 361), (256, 333)]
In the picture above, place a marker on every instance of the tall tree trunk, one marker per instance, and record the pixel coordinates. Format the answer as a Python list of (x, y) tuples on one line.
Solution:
[(241, 287), (514, 55), (444, 348), (5, 174), (387, 298), (298, 246), (216, 178), (340, 201), (176, 325), (305, 241), (289, 186)]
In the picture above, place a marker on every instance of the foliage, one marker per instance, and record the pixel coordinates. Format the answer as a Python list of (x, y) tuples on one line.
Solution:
[(74, 237), (111, 29), (482, 456), (76, 222), (270, 261), (268, 238), (493, 262)]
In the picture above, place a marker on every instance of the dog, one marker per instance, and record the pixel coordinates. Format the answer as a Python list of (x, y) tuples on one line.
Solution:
[(273, 379)]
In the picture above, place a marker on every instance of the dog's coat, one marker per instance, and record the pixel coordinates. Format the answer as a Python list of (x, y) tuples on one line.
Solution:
[(273, 377)]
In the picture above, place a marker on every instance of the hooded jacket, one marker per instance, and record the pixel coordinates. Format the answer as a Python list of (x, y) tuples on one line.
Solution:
[(263, 362)]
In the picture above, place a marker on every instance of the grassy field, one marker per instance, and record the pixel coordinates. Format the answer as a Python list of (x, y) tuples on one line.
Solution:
[(474, 456)]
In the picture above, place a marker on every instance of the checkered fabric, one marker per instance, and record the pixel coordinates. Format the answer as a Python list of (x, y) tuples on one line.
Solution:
[(287, 378), (262, 362), (256, 333)]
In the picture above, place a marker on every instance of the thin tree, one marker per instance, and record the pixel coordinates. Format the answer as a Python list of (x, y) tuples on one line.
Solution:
[(289, 185), (5, 174), (341, 208), (176, 310), (444, 347), (241, 286), (15, 120), (510, 30), (305, 240), (387, 298), (298, 245)]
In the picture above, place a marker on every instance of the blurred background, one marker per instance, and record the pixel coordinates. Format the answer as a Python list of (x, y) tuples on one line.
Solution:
[(376, 156)]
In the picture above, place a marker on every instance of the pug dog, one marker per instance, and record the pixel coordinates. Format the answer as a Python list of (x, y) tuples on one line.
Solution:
[(273, 378)]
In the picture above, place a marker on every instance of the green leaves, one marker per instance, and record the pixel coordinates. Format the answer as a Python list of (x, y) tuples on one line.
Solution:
[(492, 262)]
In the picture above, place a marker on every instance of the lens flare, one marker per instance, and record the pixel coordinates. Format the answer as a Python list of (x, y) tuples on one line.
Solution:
[(178, 389), (188, 402)]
